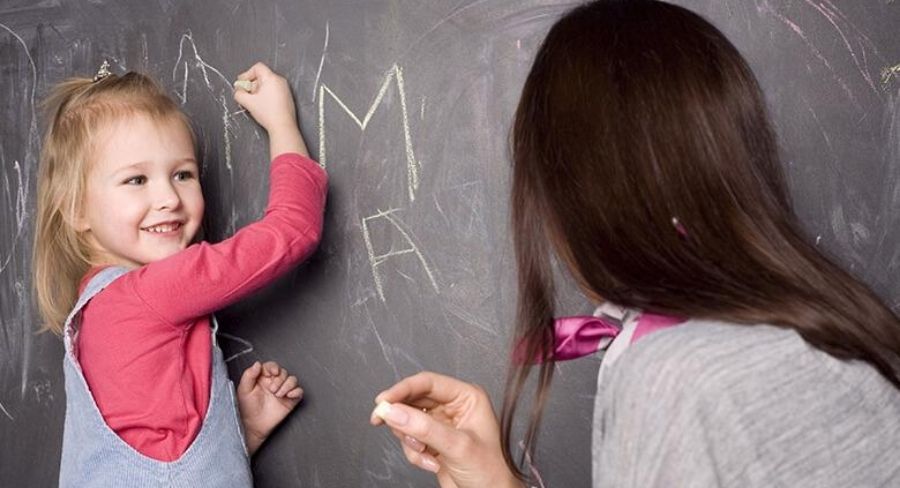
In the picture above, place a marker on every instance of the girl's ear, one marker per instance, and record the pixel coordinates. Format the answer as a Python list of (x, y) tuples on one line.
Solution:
[(79, 221)]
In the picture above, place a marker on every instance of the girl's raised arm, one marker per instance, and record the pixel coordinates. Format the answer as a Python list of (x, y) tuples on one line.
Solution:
[(206, 277)]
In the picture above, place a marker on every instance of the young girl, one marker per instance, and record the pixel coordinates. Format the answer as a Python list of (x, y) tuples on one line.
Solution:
[(645, 162), (118, 273)]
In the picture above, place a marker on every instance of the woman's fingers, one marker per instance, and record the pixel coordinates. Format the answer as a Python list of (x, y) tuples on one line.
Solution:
[(438, 388), (421, 459), (413, 443), (437, 435), (458, 437)]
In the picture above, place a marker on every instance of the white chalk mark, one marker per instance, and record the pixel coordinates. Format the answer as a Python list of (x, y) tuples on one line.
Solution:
[(818, 54), (832, 17), (226, 135), (408, 277), (321, 62), (183, 95), (30, 61), (381, 344), (412, 166), (145, 54), (21, 209), (394, 74), (440, 209), (322, 149), (22, 189), (6, 412), (469, 318), (201, 64), (232, 221), (422, 108), (363, 300), (248, 348), (21, 196), (376, 260)]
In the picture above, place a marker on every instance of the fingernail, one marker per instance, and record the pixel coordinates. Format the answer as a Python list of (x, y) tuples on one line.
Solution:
[(413, 443), (430, 463), (397, 416)]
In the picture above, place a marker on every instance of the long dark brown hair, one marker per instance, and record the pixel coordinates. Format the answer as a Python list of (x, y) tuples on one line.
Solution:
[(644, 160)]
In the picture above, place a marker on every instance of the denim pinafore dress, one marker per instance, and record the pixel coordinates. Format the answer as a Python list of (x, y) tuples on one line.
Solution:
[(94, 456)]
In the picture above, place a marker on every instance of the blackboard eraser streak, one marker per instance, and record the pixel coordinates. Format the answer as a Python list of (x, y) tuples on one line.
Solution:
[(246, 85), (382, 410)]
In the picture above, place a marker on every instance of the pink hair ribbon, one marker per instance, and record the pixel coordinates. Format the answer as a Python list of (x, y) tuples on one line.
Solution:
[(578, 336)]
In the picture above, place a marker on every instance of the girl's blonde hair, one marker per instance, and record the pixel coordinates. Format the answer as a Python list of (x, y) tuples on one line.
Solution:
[(77, 111)]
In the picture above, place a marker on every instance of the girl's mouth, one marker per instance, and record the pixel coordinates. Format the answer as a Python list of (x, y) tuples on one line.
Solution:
[(166, 228)]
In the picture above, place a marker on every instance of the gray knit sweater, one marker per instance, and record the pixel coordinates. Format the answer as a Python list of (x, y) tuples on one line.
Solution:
[(713, 404)]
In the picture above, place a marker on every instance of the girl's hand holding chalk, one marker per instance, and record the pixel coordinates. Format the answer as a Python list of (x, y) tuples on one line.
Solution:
[(448, 427), (268, 99), (267, 96)]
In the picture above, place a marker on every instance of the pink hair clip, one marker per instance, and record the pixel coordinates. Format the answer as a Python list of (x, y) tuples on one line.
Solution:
[(678, 227)]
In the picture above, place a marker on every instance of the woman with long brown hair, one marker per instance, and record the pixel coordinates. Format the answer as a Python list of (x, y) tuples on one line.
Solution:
[(644, 161)]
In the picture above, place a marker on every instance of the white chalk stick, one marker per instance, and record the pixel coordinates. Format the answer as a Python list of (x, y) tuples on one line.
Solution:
[(246, 85), (382, 409)]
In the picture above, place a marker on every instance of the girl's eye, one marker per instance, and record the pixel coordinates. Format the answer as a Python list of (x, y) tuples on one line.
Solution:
[(184, 175), (136, 180)]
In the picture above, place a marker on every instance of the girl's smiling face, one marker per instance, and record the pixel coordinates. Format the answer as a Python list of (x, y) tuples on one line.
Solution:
[(143, 200)]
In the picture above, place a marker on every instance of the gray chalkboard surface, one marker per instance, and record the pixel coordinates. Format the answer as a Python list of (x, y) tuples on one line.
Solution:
[(408, 103)]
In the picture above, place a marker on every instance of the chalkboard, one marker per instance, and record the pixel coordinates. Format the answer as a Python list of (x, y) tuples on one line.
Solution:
[(408, 103)]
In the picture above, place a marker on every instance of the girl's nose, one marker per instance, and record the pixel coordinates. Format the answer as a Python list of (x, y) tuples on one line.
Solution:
[(166, 197)]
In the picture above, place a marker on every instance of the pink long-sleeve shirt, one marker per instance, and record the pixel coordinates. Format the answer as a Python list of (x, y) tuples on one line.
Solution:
[(144, 342)]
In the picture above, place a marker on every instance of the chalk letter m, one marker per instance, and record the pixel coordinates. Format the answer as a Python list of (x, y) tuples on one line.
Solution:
[(393, 74)]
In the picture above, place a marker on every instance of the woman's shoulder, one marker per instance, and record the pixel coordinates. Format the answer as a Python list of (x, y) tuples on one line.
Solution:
[(753, 402), (716, 359), (694, 346)]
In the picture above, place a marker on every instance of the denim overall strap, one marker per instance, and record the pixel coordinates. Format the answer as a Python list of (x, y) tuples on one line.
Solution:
[(95, 286), (94, 456)]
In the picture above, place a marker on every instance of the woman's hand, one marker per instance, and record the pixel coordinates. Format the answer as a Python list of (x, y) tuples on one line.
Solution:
[(272, 106), (447, 427)]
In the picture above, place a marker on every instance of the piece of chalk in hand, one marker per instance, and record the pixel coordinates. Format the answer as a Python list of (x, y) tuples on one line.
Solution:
[(245, 85), (382, 409)]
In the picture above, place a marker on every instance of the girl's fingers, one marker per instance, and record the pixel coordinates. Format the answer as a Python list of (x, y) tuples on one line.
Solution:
[(256, 71), (272, 368), (275, 379), (242, 97), (279, 380), (289, 384), (249, 378)]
